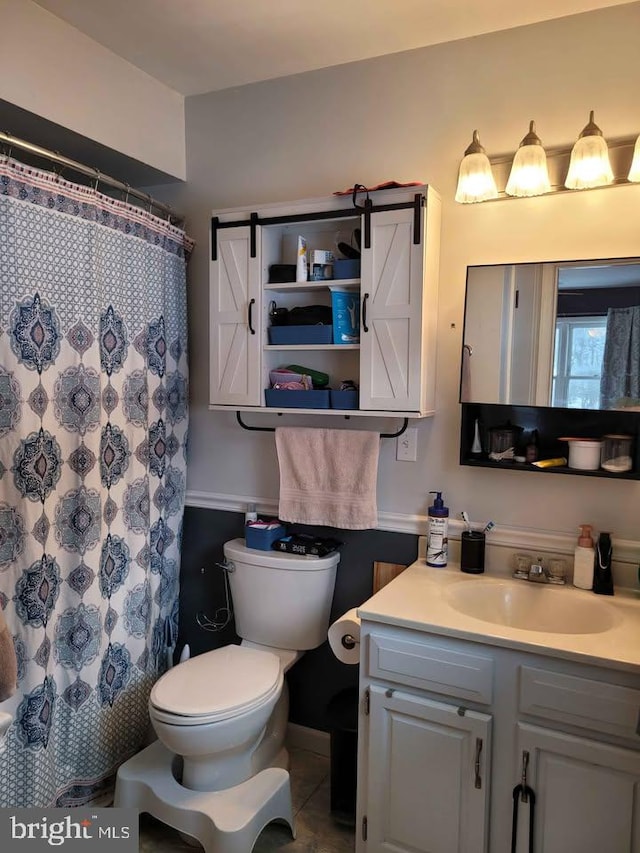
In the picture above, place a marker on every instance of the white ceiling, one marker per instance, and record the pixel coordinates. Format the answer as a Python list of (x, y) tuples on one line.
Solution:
[(196, 46)]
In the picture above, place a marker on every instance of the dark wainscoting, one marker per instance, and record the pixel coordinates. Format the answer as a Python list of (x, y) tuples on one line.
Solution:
[(318, 676)]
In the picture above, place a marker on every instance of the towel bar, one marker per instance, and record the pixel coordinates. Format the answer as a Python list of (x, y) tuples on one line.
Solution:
[(273, 429)]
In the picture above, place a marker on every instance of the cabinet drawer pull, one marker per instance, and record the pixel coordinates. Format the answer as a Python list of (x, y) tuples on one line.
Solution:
[(478, 780), (365, 328), (250, 317)]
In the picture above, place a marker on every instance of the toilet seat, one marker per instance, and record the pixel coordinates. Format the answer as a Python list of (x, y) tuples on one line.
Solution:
[(217, 685)]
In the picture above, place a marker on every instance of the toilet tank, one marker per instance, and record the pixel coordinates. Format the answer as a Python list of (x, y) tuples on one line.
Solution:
[(281, 600)]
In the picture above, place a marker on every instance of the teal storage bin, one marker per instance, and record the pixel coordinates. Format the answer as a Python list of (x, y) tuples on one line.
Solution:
[(345, 304)]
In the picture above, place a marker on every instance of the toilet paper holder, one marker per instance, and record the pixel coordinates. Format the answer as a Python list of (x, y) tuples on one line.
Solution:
[(349, 641)]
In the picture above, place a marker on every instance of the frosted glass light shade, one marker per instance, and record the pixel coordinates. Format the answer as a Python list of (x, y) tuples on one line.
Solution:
[(529, 174), (589, 166), (634, 171), (475, 178)]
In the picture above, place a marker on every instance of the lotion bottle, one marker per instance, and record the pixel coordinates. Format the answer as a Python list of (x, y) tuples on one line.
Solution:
[(583, 559), (437, 541)]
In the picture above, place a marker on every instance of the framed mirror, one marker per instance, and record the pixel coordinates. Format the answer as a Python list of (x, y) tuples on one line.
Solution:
[(561, 334)]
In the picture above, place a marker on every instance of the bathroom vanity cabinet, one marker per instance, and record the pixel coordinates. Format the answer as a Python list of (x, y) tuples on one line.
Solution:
[(393, 364), (448, 728)]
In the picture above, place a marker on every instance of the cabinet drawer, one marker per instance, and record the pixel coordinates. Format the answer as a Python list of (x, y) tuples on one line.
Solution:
[(606, 708), (431, 667)]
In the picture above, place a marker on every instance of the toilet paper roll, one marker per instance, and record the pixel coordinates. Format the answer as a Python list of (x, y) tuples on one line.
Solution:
[(344, 637)]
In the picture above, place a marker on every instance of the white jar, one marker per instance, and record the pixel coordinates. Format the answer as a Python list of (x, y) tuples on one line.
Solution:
[(584, 453)]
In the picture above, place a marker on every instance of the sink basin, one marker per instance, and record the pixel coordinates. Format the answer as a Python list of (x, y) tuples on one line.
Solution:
[(531, 607)]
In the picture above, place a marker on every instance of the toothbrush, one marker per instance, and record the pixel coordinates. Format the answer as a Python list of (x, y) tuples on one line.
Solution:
[(465, 518), (489, 526)]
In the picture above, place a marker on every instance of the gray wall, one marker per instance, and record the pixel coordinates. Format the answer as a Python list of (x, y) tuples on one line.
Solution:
[(409, 117)]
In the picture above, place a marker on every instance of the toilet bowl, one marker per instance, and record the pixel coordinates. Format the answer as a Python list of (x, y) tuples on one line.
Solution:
[(213, 711)]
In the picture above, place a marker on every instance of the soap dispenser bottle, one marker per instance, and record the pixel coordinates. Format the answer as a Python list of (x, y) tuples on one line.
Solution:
[(583, 559), (602, 574), (437, 541)]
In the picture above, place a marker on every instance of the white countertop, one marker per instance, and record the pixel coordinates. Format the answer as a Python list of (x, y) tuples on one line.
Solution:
[(418, 599)]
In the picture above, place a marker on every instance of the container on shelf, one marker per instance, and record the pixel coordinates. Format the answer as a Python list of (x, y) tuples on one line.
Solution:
[(344, 399), (345, 304), (346, 268), (287, 335), (615, 455), (584, 453), (278, 398)]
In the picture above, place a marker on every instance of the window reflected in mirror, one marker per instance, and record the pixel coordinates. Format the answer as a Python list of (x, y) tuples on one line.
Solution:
[(564, 334)]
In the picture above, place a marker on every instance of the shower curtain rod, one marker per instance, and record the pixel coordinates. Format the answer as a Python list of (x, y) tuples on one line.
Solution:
[(91, 172)]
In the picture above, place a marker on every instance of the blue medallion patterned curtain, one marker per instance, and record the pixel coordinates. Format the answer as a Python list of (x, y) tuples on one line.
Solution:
[(93, 430)]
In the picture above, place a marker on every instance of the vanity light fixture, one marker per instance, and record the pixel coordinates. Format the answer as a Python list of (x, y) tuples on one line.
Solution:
[(532, 171), (475, 178), (589, 166), (529, 174), (634, 171)]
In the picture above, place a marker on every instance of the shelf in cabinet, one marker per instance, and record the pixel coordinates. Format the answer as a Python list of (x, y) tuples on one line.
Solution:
[(309, 286), (335, 347), (556, 469)]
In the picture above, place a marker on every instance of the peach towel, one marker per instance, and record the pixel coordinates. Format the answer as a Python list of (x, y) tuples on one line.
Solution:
[(328, 476), (8, 663)]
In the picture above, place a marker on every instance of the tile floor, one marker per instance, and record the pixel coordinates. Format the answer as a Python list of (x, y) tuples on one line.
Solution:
[(316, 831)]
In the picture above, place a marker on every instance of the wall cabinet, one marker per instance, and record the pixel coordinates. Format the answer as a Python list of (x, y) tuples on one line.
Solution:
[(394, 361), (447, 727)]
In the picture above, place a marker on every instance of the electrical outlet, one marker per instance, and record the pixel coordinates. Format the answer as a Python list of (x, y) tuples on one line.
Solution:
[(407, 445)]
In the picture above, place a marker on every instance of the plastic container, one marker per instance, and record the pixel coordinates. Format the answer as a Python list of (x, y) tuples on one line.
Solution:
[(344, 399), (261, 538), (615, 455), (346, 268), (584, 453), (437, 542), (279, 398), (345, 304), (583, 557), (285, 335), (472, 543)]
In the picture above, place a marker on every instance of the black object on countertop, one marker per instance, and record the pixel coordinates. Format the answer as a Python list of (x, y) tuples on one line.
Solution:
[(472, 552), (602, 573)]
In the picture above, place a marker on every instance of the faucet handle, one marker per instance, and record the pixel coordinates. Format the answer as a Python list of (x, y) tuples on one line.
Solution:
[(536, 571), (557, 570)]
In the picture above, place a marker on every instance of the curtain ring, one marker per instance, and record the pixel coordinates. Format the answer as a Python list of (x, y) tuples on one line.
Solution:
[(97, 180)]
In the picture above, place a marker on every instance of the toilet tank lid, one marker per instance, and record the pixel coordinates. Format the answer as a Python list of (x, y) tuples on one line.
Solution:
[(220, 682), (237, 550)]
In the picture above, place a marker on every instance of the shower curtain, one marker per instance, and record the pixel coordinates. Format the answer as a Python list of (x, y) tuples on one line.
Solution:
[(620, 382), (93, 430)]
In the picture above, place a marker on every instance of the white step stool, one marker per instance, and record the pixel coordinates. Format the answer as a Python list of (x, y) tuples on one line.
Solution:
[(227, 821)]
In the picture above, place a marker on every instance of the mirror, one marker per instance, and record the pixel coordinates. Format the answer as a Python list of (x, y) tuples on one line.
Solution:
[(564, 334)]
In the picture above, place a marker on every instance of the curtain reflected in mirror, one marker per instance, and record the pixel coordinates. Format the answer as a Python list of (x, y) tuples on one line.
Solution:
[(563, 334), (620, 383)]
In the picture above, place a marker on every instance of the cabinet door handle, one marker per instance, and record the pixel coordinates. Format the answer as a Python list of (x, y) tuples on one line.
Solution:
[(478, 779), (364, 312), (250, 317)]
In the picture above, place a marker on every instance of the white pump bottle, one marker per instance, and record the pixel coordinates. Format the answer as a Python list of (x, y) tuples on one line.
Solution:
[(584, 555)]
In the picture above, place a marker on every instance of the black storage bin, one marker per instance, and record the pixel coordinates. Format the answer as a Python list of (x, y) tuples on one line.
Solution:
[(342, 712)]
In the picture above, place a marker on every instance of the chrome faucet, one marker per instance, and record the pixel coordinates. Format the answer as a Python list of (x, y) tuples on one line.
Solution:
[(537, 573)]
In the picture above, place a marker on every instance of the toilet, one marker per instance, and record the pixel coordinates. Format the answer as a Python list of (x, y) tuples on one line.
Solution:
[(221, 717)]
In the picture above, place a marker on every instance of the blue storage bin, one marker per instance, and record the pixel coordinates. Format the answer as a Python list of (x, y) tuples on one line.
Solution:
[(285, 335), (345, 303), (279, 398), (346, 268), (344, 399), (262, 540)]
